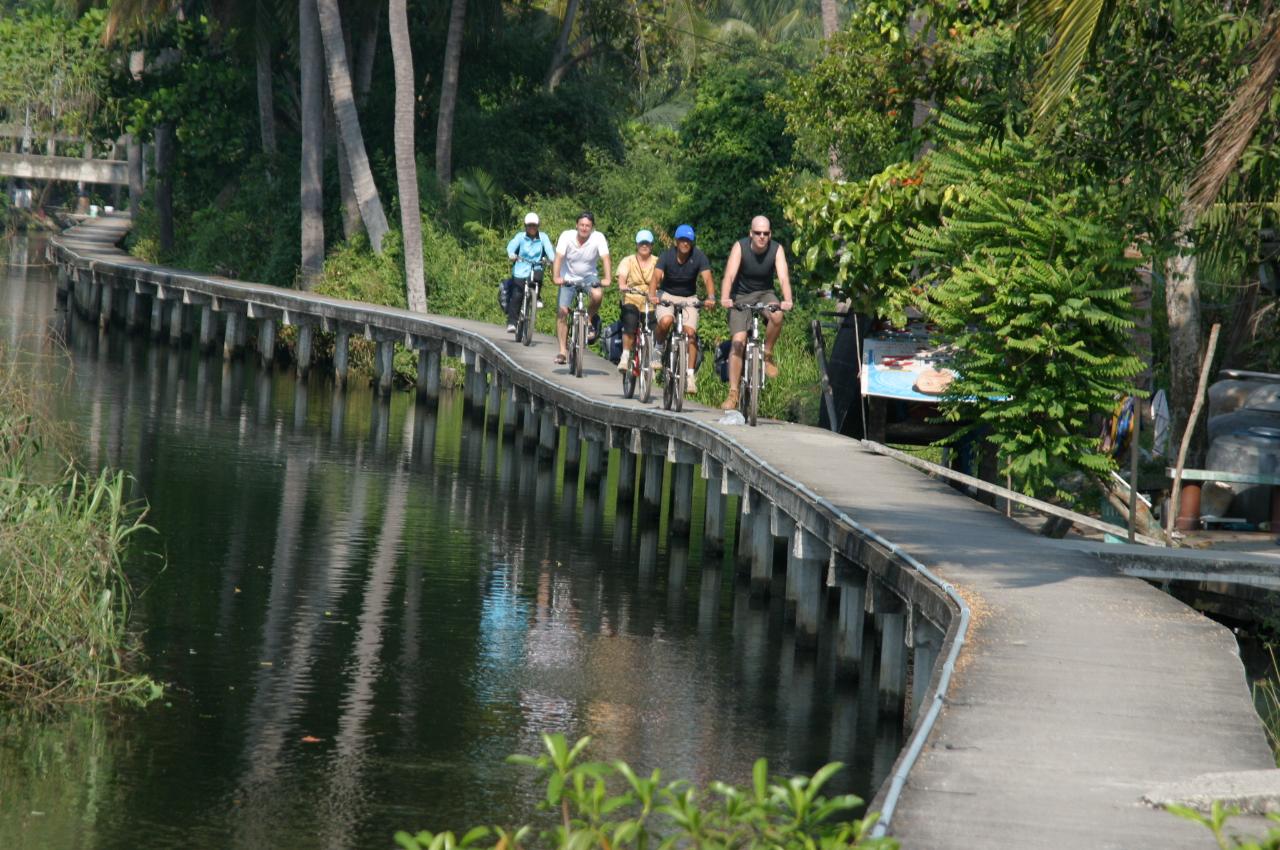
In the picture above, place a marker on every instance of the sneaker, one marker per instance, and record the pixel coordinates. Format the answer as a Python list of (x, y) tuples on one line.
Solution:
[(625, 363), (770, 368), (690, 383), (731, 401), (511, 329), (540, 304)]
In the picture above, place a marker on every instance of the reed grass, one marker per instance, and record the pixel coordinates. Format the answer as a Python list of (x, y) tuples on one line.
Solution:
[(64, 595)]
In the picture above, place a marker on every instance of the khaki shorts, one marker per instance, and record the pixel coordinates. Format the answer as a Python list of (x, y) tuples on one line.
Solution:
[(690, 316), (740, 320)]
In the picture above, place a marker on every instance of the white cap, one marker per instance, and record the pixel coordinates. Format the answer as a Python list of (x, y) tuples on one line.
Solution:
[(531, 218)]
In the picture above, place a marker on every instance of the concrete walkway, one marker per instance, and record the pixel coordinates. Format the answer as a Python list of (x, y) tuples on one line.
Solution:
[(1078, 690)]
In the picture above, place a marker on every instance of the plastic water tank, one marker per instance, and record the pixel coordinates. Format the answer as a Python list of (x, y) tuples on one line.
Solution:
[(1264, 397), (1230, 395), (1240, 421), (1255, 451)]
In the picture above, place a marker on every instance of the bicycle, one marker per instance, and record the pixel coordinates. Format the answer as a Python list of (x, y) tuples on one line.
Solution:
[(752, 381), (639, 375), (529, 304), (675, 358), (578, 334)]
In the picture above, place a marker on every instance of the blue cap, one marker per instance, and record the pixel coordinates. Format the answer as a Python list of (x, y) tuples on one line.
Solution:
[(644, 236), (685, 231)]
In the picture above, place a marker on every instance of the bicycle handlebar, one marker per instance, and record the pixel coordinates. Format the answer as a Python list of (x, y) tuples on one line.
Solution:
[(758, 308), (692, 305)]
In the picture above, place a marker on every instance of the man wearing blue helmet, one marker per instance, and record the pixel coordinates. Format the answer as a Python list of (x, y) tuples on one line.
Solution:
[(675, 280)]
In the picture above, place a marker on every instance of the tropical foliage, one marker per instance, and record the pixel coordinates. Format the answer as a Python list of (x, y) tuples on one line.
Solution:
[(598, 804)]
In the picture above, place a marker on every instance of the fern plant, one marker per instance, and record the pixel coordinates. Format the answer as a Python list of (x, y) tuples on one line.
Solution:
[(1030, 286)]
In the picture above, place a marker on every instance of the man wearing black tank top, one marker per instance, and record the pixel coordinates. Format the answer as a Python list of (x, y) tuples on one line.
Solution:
[(753, 264)]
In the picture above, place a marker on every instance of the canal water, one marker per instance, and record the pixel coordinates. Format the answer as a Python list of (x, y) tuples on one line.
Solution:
[(360, 608)]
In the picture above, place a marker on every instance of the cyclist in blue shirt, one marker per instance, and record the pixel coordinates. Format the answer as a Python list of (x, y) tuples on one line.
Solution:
[(525, 249)]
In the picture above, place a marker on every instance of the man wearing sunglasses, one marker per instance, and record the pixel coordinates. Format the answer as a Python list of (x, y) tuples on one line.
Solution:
[(753, 264)]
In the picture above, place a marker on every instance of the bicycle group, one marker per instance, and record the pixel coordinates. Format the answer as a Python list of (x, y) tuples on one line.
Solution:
[(664, 338)]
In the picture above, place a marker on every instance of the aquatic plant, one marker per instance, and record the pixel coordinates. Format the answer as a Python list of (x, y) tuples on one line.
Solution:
[(608, 805), (64, 597)]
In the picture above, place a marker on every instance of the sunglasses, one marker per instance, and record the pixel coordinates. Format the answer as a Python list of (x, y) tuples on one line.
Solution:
[(644, 243), (759, 233)]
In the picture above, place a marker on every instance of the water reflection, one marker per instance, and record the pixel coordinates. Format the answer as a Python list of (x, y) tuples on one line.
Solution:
[(368, 603)]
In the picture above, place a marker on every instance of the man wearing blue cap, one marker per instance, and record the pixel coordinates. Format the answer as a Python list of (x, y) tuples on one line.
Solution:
[(676, 280)]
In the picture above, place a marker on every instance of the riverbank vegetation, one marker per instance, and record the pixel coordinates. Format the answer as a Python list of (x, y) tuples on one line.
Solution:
[(64, 597), (597, 804), (1062, 207)]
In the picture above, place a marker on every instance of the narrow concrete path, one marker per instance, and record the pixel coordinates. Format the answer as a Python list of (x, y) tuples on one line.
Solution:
[(1078, 690)]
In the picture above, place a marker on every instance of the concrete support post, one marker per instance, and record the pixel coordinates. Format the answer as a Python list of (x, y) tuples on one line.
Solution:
[(93, 308), (306, 335), (208, 328), (469, 377), (421, 384), (893, 662), (133, 311), (105, 306), (479, 389), (928, 641), (231, 336), (713, 519), (742, 549), (386, 367), (761, 549), (341, 357), (530, 426), (494, 405), (572, 447), (433, 375), (547, 432), (594, 462), (853, 600), (157, 318), (510, 412), (626, 476), (652, 484), (682, 499), (267, 342), (806, 559), (175, 323)]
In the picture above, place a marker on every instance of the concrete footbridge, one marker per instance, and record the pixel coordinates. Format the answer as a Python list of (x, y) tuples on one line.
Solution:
[(1046, 691)]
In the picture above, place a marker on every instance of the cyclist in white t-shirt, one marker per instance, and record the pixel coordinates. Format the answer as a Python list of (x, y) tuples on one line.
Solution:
[(578, 253)]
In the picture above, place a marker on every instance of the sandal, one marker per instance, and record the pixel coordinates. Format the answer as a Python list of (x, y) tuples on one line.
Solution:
[(561, 359)]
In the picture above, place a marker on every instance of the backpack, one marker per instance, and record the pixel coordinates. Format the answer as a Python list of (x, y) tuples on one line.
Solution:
[(611, 341), (504, 294), (722, 360)]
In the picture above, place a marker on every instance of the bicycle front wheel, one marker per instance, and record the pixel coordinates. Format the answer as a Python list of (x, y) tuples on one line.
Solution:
[(530, 313), (679, 365), (580, 344), (756, 367), (645, 376), (629, 376), (669, 379)]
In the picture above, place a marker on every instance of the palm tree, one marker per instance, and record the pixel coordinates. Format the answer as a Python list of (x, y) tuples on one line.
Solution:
[(1075, 26), (262, 59), (311, 78), (344, 108), (449, 94), (559, 57), (406, 165)]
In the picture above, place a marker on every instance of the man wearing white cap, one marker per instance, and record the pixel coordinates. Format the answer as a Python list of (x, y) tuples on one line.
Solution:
[(527, 250)]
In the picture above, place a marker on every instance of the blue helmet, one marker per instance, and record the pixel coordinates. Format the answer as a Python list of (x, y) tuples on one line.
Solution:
[(685, 231)]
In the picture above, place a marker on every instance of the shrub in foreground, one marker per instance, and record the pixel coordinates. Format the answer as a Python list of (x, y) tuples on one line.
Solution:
[(607, 805)]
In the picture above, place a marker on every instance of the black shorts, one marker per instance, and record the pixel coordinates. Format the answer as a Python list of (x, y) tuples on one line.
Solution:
[(630, 318)]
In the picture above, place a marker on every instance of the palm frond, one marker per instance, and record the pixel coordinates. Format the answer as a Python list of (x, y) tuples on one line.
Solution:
[(1073, 27), (1234, 130)]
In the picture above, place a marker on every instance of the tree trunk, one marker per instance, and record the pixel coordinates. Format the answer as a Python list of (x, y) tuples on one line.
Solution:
[(266, 98), (352, 225), (311, 75), (1182, 303), (558, 59), (368, 48), (830, 19), (449, 95), (344, 109), (830, 26), (406, 165), (133, 153), (164, 184)]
